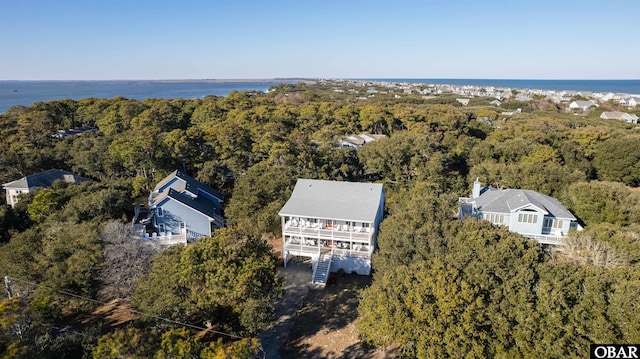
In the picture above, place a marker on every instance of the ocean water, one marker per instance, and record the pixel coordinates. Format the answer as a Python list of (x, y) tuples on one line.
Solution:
[(25, 93)]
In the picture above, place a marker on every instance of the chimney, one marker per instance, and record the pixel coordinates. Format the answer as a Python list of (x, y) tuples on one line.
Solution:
[(476, 189)]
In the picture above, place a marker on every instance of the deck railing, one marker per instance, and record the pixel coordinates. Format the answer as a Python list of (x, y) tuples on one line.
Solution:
[(327, 233), (545, 239), (308, 250)]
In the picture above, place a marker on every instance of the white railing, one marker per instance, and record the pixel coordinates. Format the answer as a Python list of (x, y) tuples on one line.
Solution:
[(163, 239), (327, 233), (308, 250), (194, 235), (546, 239)]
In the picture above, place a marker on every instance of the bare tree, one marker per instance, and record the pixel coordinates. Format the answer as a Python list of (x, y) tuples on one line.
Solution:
[(587, 250), (126, 258)]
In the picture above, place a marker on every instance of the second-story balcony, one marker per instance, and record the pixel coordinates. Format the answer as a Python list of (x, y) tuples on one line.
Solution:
[(328, 229)]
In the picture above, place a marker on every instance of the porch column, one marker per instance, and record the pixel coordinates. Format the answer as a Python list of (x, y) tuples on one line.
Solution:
[(284, 248)]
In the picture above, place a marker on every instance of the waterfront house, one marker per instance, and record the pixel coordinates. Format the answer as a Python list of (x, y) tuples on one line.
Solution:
[(530, 213), (36, 181), (333, 223), (182, 209)]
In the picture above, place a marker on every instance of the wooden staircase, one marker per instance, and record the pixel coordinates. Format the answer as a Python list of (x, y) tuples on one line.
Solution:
[(322, 267)]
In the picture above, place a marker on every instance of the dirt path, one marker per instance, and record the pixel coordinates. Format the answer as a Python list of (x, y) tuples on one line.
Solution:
[(326, 326), (297, 278), (317, 323)]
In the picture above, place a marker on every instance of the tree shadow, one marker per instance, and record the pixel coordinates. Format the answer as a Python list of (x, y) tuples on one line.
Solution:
[(326, 311)]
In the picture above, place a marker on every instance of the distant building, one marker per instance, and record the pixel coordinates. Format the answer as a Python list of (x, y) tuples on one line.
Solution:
[(582, 105), (36, 181), (463, 101), (530, 213), (333, 223), (633, 102), (357, 141), (616, 115), (73, 131), (523, 97)]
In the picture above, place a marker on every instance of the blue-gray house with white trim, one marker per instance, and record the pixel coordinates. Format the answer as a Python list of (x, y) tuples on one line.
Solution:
[(183, 209), (530, 213)]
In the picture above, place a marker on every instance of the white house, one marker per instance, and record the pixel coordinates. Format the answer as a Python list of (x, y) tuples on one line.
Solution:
[(463, 101), (182, 209), (357, 141), (582, 105), (617, 115), (633, 102), (530, 213), (333, 223), (38, 180)]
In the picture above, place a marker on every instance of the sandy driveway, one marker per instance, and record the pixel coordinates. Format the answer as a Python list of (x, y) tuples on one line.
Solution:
[(297, 281)]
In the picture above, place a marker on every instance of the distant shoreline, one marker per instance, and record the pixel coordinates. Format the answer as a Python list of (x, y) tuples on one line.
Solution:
[(176, 80)]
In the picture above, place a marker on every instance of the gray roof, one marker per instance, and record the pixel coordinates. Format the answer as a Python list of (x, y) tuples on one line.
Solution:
[(508, 200), (45, 179), (191, 185), (353, 201), (584, 103), (201, 203)]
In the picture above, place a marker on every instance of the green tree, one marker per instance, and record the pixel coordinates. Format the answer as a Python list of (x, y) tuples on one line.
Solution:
[(603, 202), (258, 195), (229, 279), (618, 159)]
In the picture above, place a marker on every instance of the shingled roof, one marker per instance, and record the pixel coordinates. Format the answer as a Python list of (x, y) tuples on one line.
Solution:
[(45, 179), (350, 201), (509, 200), (189, 192), (190, 185)]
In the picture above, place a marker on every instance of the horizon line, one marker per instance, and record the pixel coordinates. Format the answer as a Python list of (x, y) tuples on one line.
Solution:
[(265, 79)]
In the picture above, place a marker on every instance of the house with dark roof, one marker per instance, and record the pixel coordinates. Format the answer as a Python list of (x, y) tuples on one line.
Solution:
[(530, 213), (182, 209), (333, 223), (36, 181)]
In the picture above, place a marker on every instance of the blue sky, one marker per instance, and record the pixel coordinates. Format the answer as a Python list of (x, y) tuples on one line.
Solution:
[(144, 39)]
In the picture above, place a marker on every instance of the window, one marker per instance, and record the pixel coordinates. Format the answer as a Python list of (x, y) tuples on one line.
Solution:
[(160, 212), (161, 228), (552, 223), (527, 217), (494, 218)]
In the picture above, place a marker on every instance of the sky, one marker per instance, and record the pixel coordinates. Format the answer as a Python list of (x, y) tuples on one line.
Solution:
[(247, 39)]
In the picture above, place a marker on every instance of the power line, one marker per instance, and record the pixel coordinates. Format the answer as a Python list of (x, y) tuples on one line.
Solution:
[(132, 310)]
